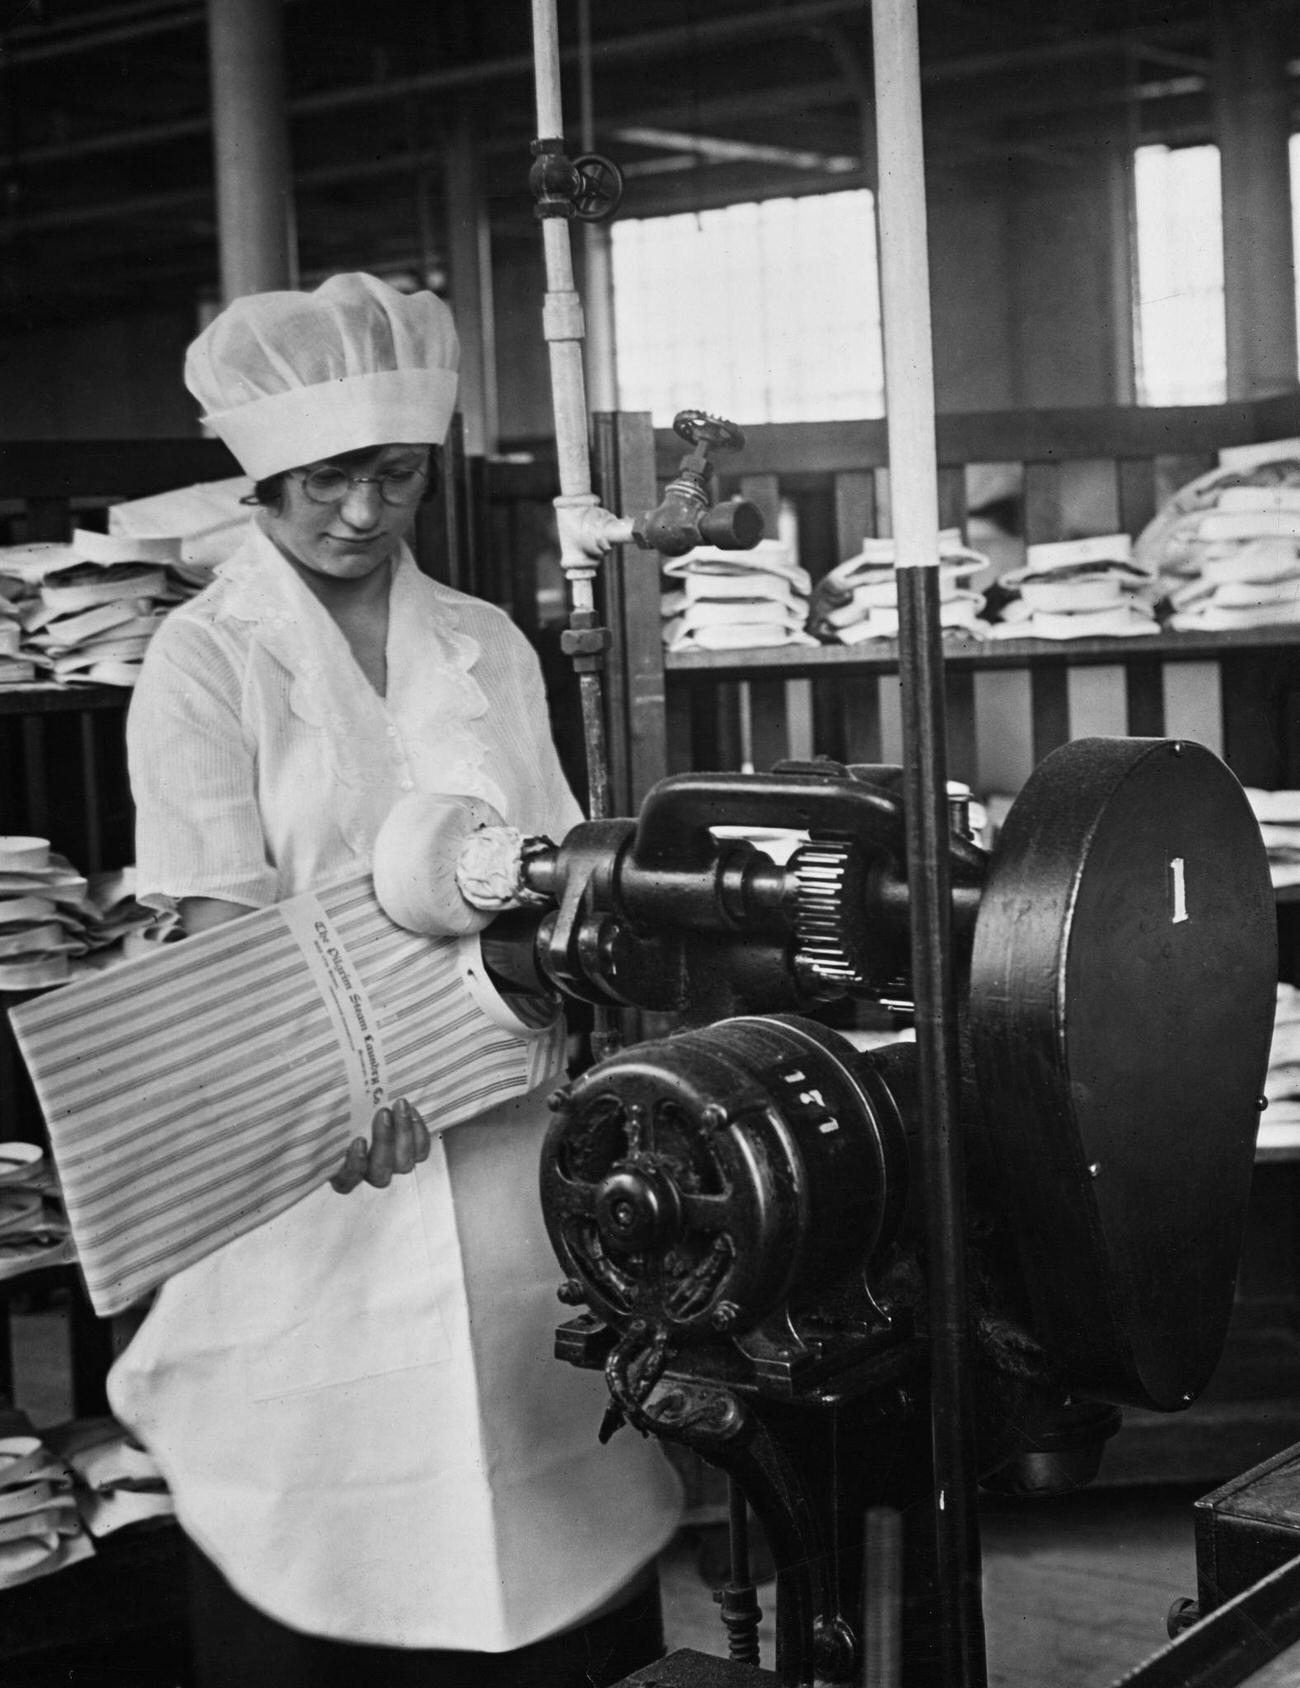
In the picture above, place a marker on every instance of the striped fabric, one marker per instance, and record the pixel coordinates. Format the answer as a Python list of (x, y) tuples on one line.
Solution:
[(198, 1092)]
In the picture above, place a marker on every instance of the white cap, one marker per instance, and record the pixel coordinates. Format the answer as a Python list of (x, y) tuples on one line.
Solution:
[(291, 378)]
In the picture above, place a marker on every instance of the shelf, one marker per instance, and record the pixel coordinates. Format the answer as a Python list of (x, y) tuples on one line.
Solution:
[(49, 700), (882, 655)]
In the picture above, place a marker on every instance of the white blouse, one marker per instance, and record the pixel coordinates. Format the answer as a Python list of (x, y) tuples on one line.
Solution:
[(263, 762), (356, 1405)]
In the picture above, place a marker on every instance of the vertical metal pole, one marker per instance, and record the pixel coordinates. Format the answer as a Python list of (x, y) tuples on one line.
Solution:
[(882, 1559), (597, 261), (250, 133), (471, 284), (738, 1599), (563, 326), (909, 387), (563, 322)]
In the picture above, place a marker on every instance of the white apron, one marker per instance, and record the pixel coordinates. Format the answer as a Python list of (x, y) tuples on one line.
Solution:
[(356, 1405), (359, 1412)]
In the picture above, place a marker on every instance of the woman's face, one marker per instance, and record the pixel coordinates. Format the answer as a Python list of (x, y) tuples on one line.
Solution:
[(348, 538)]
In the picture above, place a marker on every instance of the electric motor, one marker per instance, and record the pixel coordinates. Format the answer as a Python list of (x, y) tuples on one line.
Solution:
[(700, 1183)]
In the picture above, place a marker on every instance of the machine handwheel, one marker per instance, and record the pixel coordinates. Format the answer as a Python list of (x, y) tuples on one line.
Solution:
[(1122, 988), (698, 427), (600, 187)]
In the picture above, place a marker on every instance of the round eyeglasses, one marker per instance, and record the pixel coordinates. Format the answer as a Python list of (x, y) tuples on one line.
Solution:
[(331, 485)]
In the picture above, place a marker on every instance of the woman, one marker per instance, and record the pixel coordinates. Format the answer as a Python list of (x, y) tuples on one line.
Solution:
[(386, 1475)]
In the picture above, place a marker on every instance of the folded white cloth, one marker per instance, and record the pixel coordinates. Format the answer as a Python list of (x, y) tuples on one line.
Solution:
[(730, 600), (881, 592), (857, 600), (119, 618), (208, 519), (115, 1481), (1258, 561), (769, 556), (776, 611), (955, 613), (1077, 589), (1095, 549), (29, 564), (40, 1528), (1073, 596), (87, 610), (33, 1225), (1210, 616), (682, 635), (1124, 620), (1227, 545), (878, 554), (86, 585), (1278, 814), (1281, 806), (1126, 575), (111, 549)]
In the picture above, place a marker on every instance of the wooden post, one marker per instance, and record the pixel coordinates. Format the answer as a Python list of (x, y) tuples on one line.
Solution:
[(1252, 120)]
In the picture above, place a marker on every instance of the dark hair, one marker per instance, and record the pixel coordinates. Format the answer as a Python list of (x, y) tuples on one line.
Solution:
[(270, 492)]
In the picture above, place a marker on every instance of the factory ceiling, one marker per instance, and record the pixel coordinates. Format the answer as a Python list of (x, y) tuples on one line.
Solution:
[(106, 145)]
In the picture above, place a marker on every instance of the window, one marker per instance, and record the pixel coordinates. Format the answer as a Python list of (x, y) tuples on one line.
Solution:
[(1181, 340), (748, 312)]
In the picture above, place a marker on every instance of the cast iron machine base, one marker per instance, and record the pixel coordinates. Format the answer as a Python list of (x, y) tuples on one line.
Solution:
[(737, 1208)]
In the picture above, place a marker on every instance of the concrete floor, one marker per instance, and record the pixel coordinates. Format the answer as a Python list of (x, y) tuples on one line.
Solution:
[(1075, 1590)]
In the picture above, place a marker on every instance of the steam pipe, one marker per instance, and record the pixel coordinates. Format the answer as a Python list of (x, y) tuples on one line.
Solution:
[(562, 325), (597, 265), (909, 405)]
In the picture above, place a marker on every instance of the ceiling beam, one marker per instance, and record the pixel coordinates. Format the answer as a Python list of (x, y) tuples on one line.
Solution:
[(719, 149), (768, 23)]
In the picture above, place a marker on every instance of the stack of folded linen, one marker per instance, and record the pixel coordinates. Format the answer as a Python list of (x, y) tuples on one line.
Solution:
[(56, 925), (1079, 589), (735, 600), (40, 1527), (38, 892), (858, 599), (116, 1482), (34, 1229), (96, 616), (15, 668), (1280, 1123), (88, 609), (210, 518), (1227, 545), (111, 926), (1278, 814), (1255, 585)]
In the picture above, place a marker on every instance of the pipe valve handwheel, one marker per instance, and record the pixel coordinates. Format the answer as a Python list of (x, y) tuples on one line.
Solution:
[(697, 427)]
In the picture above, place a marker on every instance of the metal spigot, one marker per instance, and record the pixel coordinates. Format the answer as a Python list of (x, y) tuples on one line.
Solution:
[(685, 518), (681, 521)]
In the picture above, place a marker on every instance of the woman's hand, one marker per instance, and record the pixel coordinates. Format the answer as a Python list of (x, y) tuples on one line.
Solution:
[(399, 1141)]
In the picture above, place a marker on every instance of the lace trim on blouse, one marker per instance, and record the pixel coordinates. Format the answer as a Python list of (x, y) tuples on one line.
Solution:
[(432, 691)]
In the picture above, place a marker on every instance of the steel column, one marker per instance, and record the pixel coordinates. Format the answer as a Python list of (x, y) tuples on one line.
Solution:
[(909, 404), (250, 134)]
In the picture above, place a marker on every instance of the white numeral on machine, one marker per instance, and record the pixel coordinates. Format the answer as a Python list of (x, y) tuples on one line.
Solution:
[(1178, 882)]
